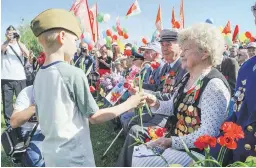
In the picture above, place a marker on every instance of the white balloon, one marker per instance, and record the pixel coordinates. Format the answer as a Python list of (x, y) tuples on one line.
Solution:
[(106, 17)]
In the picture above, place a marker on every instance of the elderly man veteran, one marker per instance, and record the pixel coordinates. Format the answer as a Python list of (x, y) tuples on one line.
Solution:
[(171, 74)]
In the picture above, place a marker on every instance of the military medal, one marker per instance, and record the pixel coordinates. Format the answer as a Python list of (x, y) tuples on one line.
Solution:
[(244, 82), (250, 128), (241, 97), (188, 120), (235, 107), (190, 130), (190, 108), (247, 147)]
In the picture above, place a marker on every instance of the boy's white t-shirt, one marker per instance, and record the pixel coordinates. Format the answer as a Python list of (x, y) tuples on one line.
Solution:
[(64, 103)]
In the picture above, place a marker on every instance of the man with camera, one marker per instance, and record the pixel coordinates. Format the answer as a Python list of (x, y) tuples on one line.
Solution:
[(83, 59), (13, 78)]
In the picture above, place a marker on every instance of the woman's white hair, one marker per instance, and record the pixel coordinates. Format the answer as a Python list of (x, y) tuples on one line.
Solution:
[(208, 38)]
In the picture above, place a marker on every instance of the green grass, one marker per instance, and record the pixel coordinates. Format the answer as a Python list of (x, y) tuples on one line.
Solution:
[(101, 137)]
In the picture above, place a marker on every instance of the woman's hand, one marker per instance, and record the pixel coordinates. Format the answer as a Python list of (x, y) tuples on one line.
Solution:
[(151, 100), (161, 142)]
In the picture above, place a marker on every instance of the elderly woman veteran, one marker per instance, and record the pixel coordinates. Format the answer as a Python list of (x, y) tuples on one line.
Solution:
[(198, 105)]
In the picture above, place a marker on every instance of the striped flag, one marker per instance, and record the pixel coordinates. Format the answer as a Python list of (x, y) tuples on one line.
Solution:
[(94, 23), (134, 9), (81, 10), (236, 33), (159, 24), (181, 15)]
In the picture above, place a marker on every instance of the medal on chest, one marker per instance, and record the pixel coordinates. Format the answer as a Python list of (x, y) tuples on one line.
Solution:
[(169, 82), (239, 97)]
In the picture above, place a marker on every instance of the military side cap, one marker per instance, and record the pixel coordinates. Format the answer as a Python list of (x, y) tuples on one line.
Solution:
[(53, 19), (168, 35)]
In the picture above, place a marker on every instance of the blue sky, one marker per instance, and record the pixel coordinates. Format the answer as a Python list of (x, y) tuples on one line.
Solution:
[(237, 11)]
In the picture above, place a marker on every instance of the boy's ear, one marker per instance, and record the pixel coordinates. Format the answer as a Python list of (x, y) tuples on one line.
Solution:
[(61, 36)]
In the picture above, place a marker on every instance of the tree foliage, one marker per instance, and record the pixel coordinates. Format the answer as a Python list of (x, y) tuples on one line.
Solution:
[(29, 39)]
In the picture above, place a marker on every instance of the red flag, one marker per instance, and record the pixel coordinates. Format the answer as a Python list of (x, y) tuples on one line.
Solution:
[(182, 15), (173, 18), (227, 28), (159, 23), (134, 9), (81, 10), (93, 16), (235, 34)]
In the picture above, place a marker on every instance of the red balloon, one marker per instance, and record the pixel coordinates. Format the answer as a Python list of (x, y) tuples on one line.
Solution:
[(114, 37), (109, 33), (119, 28), (252, 39), (126, 36), (248, 34), (144, 41), (121, 33), (177, 25), (90, 47)]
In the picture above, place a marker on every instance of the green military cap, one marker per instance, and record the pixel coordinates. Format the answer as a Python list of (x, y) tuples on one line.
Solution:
[(56, 18)]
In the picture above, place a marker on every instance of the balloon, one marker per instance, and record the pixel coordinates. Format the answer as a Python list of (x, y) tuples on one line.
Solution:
[(109, 39), (126, 36), (100, 18), (144, 40), (242, 37), (124, 30), (228, 40), (88, 35), (120, 45), (252, 39), (106, 18), (108, 32), (177, 25), (114, 37), (121, 33), (221, 29), (118, 28), (248, 34), (90, 47), (114, 28), (86, 40), (210, 21)]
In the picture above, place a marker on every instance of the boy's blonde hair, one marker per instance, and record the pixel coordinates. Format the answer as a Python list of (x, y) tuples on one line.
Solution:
[(48, 38)]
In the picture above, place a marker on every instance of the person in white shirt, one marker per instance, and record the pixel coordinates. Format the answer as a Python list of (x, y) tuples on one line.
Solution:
[(13, 78), (24, 116)]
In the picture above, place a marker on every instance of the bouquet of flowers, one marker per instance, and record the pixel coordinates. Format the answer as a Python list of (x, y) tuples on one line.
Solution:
[(155, 133), (109, 81), (232, 133)]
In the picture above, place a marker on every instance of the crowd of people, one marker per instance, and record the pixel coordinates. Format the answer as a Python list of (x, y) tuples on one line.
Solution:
[(193, 83)]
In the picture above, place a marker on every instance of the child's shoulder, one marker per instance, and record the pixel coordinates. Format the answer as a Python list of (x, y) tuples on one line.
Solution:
[(68, 70)]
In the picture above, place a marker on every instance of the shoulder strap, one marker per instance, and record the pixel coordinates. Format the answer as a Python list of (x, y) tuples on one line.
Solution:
[(16, 55), (31, 134)]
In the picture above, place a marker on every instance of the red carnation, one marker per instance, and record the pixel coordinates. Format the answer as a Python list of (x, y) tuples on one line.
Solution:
[(227, 141), (147, 140), (127, 85), (160, 132), (155, 65), (41, 58), (232, 130), (92, 89), (205, 141)]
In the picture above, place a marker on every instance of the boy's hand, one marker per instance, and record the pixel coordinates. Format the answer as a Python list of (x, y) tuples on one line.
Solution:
[(136, 100)]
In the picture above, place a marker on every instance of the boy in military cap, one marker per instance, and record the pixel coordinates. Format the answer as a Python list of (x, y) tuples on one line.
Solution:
[(63, 100)]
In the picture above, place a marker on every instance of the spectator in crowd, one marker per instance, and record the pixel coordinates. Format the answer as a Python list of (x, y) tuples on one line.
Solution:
[(251, 48), (13, 77), (104, 61), (242, 56), (233, 52)]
